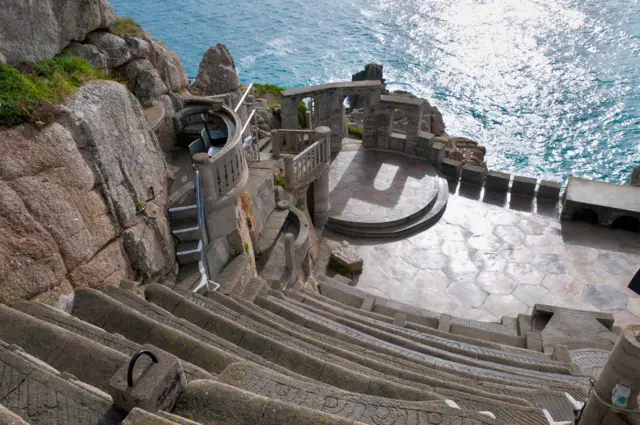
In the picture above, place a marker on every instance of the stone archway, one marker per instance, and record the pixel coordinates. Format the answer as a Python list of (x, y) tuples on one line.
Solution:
[(627, 223), (587, 215)]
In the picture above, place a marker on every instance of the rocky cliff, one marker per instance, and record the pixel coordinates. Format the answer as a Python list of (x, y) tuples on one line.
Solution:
[(68, 194)]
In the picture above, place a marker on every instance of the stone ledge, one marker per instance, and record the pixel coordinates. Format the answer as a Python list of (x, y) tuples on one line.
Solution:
[(451, 168), (473, 174), (524, 186), (497, 181), (549, 190)]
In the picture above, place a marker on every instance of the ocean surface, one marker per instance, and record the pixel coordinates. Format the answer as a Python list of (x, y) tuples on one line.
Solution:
[(551, 87)]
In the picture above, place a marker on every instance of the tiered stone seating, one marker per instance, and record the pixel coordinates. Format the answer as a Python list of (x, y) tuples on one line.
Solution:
[(272, 358)]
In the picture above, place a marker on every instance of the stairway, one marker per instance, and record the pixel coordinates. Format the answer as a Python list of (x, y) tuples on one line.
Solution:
[(287, 357)]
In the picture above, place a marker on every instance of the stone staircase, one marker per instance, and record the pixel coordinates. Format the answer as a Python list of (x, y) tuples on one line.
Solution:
[(276, 357)]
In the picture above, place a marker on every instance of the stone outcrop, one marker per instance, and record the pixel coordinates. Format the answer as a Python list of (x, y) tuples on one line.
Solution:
[(67, 207), (115, 48), (217, 73), (40, 30), (169, 66), (346, 257), (371, 72)]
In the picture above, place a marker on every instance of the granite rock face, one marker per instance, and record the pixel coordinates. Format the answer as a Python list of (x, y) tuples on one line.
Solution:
[(217, 73), (68, 193), (92, 54), (346, 256), (371, 72), (169, 66), (34, 31), (114, 47)]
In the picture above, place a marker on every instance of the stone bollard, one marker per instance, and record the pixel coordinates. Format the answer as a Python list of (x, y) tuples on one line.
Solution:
[(151, 380), (617, 388)]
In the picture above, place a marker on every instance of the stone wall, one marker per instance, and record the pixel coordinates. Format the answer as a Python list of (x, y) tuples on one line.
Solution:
[(328, 100), (67, 207)]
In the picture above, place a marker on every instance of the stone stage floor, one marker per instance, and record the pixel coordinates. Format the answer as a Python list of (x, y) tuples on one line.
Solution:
[(375, 187), (483, 261)]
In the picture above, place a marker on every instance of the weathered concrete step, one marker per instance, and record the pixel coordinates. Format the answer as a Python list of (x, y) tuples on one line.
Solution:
[(65, 351), (264, 144), (273, 347), (438, 343), (189, 252), (114, 341), (502, 397), (158, 314), (424, 219), (40, 397), (105, 312), (357, 407), (142, 417), (188, 231), (183, 212), (7, 417), (189, 275), (472, 328), (365, 315), (523, 376), (211, 402)]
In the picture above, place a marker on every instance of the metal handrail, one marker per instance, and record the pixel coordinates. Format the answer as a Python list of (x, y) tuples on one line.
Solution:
[(244, 127), (244, 96)]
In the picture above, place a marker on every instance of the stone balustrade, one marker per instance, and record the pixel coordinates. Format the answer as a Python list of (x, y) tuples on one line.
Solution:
[(306, 151)]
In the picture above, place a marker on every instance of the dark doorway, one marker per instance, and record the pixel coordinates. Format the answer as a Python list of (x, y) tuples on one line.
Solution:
[(311, 201), (587, 215), (627, 223), (634, 285)]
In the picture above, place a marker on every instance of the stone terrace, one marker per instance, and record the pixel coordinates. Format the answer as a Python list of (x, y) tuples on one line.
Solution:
[(483, 261)]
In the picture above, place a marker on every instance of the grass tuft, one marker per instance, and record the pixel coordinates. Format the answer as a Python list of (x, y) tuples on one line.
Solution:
[(124, 26), (261, 90), (355, 131), (30, 96)]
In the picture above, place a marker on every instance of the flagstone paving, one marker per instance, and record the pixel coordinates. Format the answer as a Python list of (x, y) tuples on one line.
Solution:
[(484, 261)]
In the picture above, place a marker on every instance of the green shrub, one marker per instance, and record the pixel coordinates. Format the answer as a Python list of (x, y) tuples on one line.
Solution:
[(355, 131), (124, 26), (280, 181), (302, 114), (262, 89), (246, 247), (29, 96)]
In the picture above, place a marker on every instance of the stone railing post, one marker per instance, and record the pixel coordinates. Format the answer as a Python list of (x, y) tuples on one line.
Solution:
[(325, 132), (308, 119), (288, 169), (617, 388), (289, 252), (321, 200), (276, 143)]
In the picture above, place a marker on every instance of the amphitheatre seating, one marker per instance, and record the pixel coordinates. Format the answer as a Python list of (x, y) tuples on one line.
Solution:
[(304, 356)]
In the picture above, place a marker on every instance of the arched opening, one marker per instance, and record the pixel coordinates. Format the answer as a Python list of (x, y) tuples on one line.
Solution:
[(353, 107), (628, 223), (587, 215), (305, 113)]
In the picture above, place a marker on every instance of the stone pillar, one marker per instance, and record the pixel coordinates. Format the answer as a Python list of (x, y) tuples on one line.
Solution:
[(276, 142), (289, 252), (413, 130), (635, 176), (288, 169), (308, 119), (325, 132), (321, 199), (619, 382)]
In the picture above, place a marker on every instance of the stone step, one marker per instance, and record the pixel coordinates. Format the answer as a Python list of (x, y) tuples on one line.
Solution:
[(305, 295), (158, 314), (65, 351), (438, 343), (514, 376), (142, 417), (190, 275), (357, 407), (275, 347), (186, 231), (354, 297), (471, 392), (103, 311), (264, 144), (210, 402), (7, 417), (183, 212), (425, 219), (189, 252), (116, 342), (40, 397)]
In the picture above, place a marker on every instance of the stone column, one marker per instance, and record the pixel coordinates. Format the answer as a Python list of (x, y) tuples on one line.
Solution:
[(276, 142), (308, 119), (321, 199), (619, 382), (288, 169), (325, 132)]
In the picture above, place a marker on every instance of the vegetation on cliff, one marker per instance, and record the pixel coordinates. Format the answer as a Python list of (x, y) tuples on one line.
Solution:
[(261, 90), (124, 26), (355, 131), (29, 95)]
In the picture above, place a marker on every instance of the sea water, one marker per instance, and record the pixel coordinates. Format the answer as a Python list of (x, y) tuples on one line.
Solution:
[(550, 87)]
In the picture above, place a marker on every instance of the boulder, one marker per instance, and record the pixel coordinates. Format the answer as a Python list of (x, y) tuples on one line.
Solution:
[(115, 47), (92, 54), (132, 69), (148, 86), (3, 60), (36, 30), (635, 176), (371, 72), (217, 73), (169, 66), (344, 258), (138, 47)]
